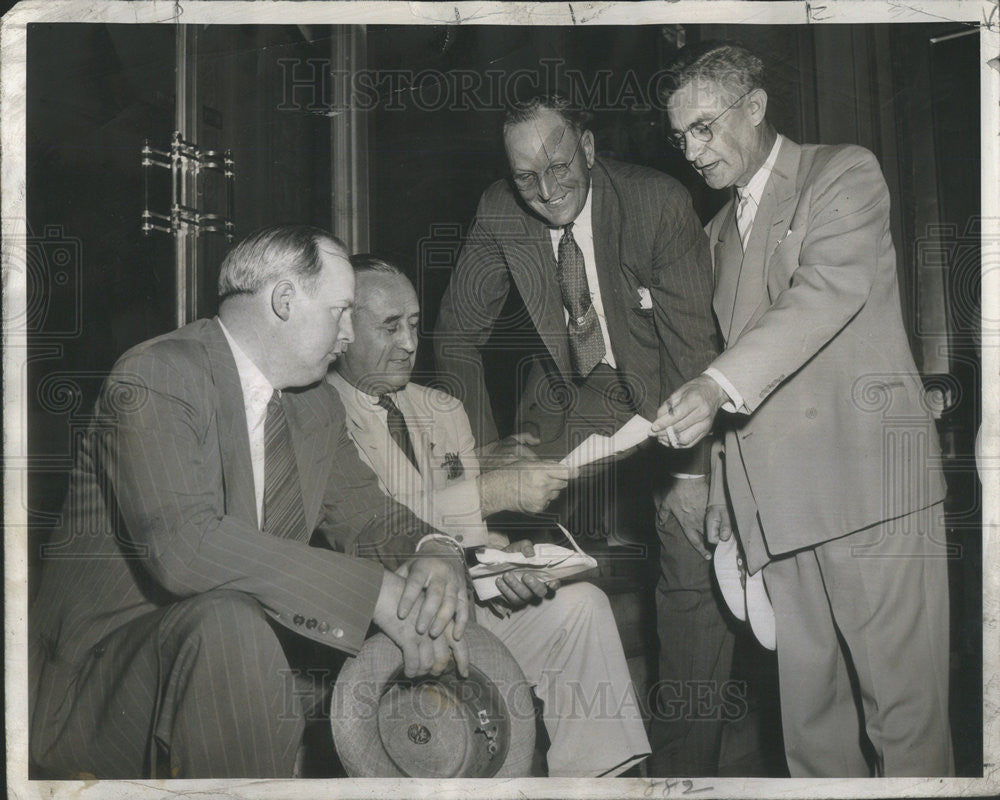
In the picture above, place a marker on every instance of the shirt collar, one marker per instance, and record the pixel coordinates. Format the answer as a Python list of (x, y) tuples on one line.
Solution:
[(255, 385), (362, 399), (755, 187)]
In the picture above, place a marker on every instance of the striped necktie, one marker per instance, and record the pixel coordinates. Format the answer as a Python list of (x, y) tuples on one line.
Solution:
[(284, 516), (586, 342), (744, 217), (397, 428)]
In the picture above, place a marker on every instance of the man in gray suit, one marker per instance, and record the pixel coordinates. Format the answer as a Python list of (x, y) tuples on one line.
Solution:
[(182, 559), (831, 460), (614, 271)]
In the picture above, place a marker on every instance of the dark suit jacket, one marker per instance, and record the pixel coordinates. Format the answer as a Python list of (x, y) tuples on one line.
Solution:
[(646, 236), (839, 436), (161, 506)]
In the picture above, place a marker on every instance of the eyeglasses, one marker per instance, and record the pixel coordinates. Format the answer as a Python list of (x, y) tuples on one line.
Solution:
[(701, 131), (529, 181)]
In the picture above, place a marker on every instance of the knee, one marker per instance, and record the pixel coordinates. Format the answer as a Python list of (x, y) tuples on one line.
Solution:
[(583, 599)]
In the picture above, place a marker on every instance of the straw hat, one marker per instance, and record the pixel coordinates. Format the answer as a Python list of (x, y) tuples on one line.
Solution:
[(746, 595), (386, 725)]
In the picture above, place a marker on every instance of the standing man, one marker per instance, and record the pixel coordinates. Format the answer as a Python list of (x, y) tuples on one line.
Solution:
[(831, 460), (182, 561), (419, 443), (613, 268)]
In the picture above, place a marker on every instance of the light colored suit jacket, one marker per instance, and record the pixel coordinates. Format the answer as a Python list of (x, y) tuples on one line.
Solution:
[(444, 491), (646, 237), (836, 434)]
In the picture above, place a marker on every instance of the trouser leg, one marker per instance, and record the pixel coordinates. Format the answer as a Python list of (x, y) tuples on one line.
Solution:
[(819, 713), (568, 647), (695, 659), (888, 589), (203, 681)]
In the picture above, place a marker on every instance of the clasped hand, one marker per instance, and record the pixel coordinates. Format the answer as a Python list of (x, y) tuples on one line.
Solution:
[(429, 632)]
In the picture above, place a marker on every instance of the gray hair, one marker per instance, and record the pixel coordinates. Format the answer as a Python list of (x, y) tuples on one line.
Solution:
[(271, 253), (729, 64), (367, 262), (578, 119)]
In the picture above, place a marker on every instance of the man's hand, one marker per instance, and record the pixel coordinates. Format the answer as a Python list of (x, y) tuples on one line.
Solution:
[(526, 486), (718, 524), (520, 588), (439, 576), (422, 653), (686, 499), (687, 416)]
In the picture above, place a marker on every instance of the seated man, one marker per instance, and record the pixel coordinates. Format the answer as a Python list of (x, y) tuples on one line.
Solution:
[(182, 563), (419, 443)]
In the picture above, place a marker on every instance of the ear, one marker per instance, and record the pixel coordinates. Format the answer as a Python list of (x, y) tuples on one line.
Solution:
[(587, 143), (281, 299), (757, 106)]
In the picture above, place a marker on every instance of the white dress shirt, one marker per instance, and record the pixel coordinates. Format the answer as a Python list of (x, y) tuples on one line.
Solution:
[(753, 192), (257, 391), (583, 233)]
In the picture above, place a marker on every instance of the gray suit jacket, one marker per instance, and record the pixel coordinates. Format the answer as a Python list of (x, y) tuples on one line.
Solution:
[(838, 436)]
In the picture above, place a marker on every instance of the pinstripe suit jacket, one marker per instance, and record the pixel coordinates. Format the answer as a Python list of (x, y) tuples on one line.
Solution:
[(646, 236), (161, 506)]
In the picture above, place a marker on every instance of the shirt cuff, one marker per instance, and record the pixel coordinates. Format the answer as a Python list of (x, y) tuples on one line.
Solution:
[(440, 537), (735, 403), (685, 475)]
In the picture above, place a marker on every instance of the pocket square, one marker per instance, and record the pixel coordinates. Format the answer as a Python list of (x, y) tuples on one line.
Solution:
[(645, 299)]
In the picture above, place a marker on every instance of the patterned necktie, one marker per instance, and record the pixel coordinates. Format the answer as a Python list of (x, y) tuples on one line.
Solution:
[(744, 218), (397, 428), (283, 512), (586, 343)]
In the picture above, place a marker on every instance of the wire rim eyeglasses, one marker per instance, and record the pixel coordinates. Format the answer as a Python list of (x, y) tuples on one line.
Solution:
[(701, 131), (527, 182)]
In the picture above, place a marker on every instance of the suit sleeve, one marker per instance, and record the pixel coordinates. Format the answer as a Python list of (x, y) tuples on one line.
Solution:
[(848, 219), (682, 288), (161, 459), (471, 305)]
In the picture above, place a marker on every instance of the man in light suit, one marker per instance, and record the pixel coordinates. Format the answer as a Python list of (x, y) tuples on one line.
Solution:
[(182, 560), (420, 445), (613, 268), (830, 458)]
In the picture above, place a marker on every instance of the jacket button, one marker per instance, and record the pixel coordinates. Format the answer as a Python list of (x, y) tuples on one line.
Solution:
[(338, 633), (811, 413), (99, 650), (459, 537), (324, 627), (310, 624), (298, 619)]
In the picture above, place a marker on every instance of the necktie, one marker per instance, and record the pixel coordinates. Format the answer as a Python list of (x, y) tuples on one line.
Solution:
[(586, 343), (283, 513), (744, 218), (397, 428)]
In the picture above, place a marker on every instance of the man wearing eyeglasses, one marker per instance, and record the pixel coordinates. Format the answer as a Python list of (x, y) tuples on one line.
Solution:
[(831, 461), (612, 266)]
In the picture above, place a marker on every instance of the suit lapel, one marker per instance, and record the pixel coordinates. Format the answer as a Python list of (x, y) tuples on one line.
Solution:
[(728, 259), (606, 226), (533, 266), (234, 443), (771, 220)]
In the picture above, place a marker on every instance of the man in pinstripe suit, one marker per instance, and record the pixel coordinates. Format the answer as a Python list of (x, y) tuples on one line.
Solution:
[(183, 555), (614, 271)]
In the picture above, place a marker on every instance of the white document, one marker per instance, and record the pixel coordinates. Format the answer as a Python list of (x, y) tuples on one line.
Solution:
[(550, 562), (595, 447)]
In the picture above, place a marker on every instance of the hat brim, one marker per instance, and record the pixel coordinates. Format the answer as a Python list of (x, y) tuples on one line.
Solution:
[(364, 680)]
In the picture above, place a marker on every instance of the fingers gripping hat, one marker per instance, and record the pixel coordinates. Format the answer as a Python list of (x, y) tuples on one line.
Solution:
[(386, 725)]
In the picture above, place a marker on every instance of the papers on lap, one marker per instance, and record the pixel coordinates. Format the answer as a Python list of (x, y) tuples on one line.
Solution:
[(550, 562), (596, 447)]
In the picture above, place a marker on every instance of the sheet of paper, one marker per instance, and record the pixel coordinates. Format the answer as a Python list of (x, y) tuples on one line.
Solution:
[(595, 447)]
